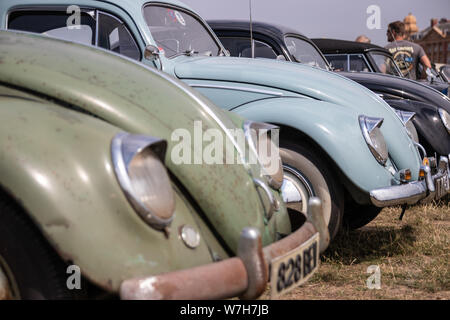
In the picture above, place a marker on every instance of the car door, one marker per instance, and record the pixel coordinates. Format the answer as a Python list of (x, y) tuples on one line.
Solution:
[(94, 27)]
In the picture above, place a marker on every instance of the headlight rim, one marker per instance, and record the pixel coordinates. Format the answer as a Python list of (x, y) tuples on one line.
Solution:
[(364, 122), (134, 145), (446, 122), (248, 126), (407, 117)]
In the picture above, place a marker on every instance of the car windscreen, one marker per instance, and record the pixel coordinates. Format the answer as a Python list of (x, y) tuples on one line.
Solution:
[(178, 32), (385, 64), (304, 52)]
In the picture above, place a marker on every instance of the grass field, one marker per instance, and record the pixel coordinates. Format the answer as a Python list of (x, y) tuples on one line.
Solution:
[(413, 256)]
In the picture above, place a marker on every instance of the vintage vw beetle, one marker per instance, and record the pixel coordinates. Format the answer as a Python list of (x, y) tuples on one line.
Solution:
[(427, 109), (85, 139), (340, 141), (358, 61), (352, 56)]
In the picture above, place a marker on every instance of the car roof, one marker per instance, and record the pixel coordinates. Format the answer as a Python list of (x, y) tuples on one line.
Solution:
[(329, 46), (270, 29), (140, 3)]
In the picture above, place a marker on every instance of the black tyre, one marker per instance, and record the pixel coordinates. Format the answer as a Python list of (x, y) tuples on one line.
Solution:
[(314, 178), (357, 216), (32, 268)]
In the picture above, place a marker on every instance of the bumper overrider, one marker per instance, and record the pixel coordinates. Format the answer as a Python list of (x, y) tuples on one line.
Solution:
[(245, 276), (428, 188)]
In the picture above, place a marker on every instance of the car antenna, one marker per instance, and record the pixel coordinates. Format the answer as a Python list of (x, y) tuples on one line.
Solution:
[(251, 30)]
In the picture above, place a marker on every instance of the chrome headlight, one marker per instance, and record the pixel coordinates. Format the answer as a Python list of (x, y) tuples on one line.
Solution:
[(374, 138), (263, 141), (445, 117), (406, 117), (139, 167)]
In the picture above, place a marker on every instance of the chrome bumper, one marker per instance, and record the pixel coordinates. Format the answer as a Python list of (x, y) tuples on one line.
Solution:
[(244, 276), (432, 187)]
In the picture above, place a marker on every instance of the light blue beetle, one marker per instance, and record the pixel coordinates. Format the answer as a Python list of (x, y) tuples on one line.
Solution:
[(339, 141)]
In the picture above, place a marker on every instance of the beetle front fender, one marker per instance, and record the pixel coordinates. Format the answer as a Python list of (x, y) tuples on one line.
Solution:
[(428, 124), (334, 128), (56, 164)]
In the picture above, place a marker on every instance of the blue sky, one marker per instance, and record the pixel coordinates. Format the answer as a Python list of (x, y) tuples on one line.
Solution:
[(341, 19)]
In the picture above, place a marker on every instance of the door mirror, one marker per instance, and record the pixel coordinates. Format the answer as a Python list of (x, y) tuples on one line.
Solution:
[(152, 52)]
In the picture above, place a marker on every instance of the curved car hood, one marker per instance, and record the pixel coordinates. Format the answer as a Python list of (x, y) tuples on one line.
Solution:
[(138, 100), (302, 79), (402, 87), (308, 81)]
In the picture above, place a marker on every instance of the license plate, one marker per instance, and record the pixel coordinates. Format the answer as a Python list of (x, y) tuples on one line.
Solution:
[(442, 187), (294, 268)]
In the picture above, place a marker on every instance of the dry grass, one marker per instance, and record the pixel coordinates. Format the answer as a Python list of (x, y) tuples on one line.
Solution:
[(413, 256)]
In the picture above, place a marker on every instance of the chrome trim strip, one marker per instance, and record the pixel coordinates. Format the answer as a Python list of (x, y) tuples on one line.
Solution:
[(211, 86)]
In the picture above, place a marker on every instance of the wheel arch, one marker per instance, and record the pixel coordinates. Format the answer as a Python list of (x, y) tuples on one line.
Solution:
[(352, 192), (332, 130)]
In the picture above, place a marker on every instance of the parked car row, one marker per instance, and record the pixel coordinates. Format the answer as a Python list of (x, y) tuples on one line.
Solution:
[(87, 176)]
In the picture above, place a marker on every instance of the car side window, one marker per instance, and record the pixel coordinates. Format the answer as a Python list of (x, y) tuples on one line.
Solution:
[(358, 64), (240, 47), (350, 62), (114, 35), (338, 62), (54, 24)]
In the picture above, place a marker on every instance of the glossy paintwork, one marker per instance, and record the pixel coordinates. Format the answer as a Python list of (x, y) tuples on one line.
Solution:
[(433, 135), (409, 95), (129, 98), (402, 88), (297, 79)]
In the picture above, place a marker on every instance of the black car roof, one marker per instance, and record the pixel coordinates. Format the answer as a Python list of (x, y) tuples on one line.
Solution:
[(328, 46), (260, 27)]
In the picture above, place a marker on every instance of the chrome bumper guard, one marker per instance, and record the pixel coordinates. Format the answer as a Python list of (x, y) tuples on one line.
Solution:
[(245, 276), (432, 187)]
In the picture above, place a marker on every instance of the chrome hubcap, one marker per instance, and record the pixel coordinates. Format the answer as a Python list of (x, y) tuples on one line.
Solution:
[(296, 190)]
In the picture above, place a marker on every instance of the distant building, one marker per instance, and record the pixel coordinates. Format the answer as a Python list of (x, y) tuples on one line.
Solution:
[(410, 25), (435, 39)]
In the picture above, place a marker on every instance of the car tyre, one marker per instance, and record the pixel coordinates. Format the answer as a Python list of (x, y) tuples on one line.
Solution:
[(322, 182), (32, 268), (357, 216)]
